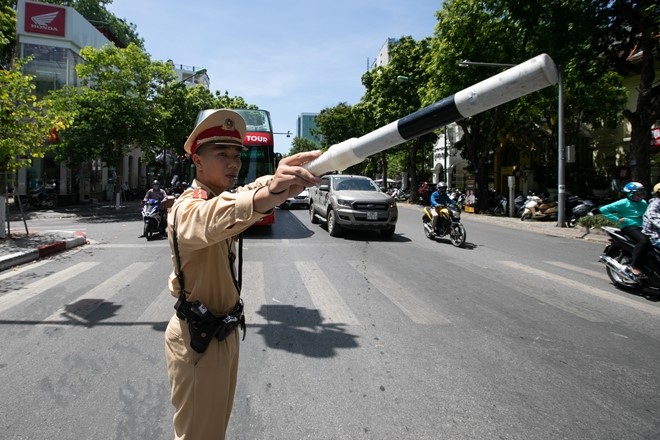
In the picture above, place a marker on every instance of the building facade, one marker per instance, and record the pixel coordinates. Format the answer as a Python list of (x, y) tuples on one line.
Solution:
[(305, 124), (54, 36)]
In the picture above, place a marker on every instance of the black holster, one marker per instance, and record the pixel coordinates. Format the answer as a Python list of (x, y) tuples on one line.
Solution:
[(204, 326)]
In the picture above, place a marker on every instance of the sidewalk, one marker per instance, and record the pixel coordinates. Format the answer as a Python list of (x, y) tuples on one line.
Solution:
[(19, 248)]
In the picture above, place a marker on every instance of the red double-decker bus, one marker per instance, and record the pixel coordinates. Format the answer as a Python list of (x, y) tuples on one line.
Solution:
[(259, 158)]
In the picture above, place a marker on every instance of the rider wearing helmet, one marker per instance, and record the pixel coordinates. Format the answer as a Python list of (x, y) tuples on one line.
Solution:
[(628, 213), (651, 221), (155, 192), (439, 199)]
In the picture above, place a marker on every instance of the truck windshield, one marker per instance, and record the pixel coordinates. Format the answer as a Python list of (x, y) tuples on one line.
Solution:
[(352, 184)]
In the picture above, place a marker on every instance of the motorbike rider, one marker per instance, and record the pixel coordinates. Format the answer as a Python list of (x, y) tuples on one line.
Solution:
[(651, 220), (155, 192), (439, 199), (628, 213), (159, 194)]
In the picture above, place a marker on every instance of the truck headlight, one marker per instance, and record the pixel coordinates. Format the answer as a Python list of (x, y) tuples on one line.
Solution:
[(344, 202)]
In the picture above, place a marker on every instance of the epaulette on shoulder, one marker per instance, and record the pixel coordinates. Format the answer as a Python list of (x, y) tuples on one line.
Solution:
[(200, 193)]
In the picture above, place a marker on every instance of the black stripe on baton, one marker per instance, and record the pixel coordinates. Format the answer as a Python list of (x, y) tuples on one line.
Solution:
[(429, 118)]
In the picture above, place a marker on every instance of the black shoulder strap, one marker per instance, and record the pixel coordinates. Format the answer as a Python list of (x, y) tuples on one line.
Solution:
[(177, 260), (238, 281)]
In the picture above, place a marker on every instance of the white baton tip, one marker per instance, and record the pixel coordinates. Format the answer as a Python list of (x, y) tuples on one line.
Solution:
[(532, 75)]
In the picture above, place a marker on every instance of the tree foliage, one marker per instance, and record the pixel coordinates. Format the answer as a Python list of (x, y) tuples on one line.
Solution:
[(115, 108), (631, 45), (300, 145), (392, 92), (7, 32), (510, 32), (340, 123), (25, 122)]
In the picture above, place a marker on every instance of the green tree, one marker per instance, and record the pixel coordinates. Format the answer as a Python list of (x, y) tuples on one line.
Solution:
[(630, 43), (301, 144), (339, 123), (25, 122), (512, 31), (114, 109), (394, 91), (7, 32)]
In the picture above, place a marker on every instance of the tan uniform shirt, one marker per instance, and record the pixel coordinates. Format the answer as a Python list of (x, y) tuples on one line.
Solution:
[(206, 231)]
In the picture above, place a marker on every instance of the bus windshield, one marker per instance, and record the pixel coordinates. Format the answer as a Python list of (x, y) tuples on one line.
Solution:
[(256, 120)]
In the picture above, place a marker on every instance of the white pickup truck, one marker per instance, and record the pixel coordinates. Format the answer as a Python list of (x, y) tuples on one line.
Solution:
[(352, 202)]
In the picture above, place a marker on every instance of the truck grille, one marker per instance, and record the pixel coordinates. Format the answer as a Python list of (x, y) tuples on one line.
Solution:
[(362, 206)]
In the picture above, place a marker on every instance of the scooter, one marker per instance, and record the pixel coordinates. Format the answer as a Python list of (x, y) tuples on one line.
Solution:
[(458, 197), (42, 198), (538, 209), (154, 223), (581, 207), (449, 223), (617, 257)]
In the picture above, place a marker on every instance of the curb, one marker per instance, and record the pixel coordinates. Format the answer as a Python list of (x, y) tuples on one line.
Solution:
[(22, 257)]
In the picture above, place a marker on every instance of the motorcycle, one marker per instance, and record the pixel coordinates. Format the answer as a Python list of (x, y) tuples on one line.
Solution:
[(449, 223), (458, 197), (499, 206), (154, 221), (399, 195), (42, 197), (617, 257), (519, 204), (578, 208), (538, 209)]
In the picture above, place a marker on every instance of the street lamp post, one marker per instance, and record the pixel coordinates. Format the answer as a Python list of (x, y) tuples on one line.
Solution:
[(445, 166), (561, 151)]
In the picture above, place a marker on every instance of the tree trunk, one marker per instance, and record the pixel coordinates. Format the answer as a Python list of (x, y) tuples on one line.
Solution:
[(643, 118)]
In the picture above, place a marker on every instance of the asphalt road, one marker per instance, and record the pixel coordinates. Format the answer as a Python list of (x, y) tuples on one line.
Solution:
[(517, 336)]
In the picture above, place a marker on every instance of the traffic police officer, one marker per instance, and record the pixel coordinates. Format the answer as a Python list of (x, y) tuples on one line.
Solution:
[(203, 226)]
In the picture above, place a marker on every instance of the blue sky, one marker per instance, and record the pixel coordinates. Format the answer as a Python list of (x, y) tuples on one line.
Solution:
[(286, 56)]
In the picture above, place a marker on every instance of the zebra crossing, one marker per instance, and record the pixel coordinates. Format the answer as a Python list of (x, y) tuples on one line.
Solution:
[(324, 293)]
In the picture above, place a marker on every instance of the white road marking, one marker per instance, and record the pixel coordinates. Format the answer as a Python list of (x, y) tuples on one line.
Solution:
[(574, 285), (161, 309), (592, 273), (326, 299), (98, 295), (17, 271), (414, 308), (253, 293), (33, 289)]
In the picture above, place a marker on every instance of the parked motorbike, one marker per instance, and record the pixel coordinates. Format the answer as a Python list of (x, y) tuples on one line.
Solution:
[(399, 195), (458, 197), (500, 205), (449, 223), (578, 208), (538, 209), (154, 222), (519, 204), (42, 198), (617, 257)]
